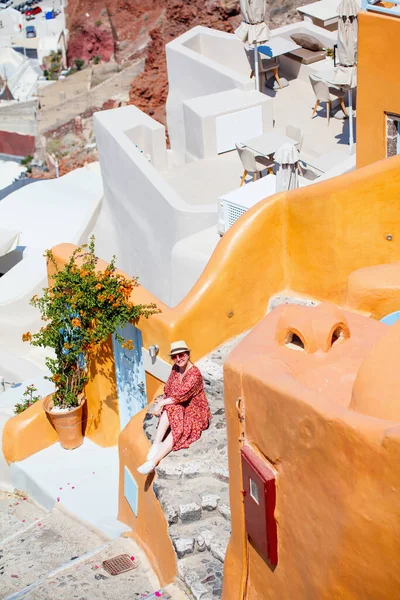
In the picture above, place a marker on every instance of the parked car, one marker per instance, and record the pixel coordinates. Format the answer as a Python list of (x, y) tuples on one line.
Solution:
[(33, 11), (30, 17), (5, 3), (30, 31)]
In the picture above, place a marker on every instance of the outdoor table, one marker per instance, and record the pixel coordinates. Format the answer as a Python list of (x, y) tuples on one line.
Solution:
[(268, 144), (278, 45)]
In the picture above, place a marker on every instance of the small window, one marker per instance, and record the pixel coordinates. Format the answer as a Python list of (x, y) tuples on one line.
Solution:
[(254, 491), (337, 336), (294, 341), (392, 134)]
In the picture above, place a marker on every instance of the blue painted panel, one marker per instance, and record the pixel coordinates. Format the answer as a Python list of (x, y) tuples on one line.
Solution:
[(267, 50), (392, 318), (130, 374), (131, 490)]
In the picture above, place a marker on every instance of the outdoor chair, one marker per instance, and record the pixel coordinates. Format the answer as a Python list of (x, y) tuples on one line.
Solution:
[(325, 93), (265, 65), (252, 163), (296, 134)]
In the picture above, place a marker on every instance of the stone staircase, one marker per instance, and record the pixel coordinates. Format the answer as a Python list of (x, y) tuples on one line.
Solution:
[(49, 554), (192, 487)]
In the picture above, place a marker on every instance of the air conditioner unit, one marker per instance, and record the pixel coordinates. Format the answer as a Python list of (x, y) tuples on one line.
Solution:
[(233, 205)]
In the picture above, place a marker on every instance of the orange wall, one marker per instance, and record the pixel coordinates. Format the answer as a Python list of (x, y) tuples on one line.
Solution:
[(337, 471), (340, 225), (378, 83)]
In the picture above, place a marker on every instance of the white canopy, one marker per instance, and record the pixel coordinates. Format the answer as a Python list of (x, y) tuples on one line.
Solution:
[(287, 154), (9, 240), (287, 157), (346, 71), (253, 28), (348, 8)]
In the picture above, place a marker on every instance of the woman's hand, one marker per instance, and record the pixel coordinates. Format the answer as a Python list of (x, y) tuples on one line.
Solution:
[(159, 405)]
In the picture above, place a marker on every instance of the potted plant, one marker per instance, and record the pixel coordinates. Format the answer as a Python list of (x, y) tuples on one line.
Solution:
[(329, 53), (82, 306)]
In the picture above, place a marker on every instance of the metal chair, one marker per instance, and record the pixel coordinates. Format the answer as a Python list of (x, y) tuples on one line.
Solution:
[(252, 163), (324, 93), (264, 65)]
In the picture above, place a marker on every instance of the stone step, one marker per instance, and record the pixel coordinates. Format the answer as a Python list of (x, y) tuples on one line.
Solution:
[(202, 574), (172, 468), (210, 534), (17, 514), (50, 542), (179, 499), (87, 579)]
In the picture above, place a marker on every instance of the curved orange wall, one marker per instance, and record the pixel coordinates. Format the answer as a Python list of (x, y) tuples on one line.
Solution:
[(378, 83), (308, 241)]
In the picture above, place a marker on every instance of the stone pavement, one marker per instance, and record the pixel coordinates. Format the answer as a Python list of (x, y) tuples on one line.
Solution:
[(192, 487), (48, 554)]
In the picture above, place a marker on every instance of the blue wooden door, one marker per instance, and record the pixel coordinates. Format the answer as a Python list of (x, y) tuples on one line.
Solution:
[(130, 374)]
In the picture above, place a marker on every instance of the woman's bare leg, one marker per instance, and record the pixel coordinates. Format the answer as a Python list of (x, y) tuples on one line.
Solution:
[(164, 449), (163, 425)]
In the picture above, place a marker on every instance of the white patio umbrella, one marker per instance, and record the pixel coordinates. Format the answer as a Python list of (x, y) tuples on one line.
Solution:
[(287, 157), (8, 241), (253, 29), (346, 72)]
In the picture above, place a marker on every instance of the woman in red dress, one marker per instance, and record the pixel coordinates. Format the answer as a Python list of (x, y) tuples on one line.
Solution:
[(183, 408)]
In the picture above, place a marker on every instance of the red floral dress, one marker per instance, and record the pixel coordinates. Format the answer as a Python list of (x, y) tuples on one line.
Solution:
[(190, 413)]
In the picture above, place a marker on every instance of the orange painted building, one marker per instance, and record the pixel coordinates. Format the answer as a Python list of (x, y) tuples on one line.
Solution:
[(378, 91), (311, 394)]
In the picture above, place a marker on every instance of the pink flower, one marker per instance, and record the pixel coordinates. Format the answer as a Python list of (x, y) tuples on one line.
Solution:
[(157, 594), (60, 488), (58, 499), (39, 524), (23, 520), (96, 566), (24, 498), (72, 487)]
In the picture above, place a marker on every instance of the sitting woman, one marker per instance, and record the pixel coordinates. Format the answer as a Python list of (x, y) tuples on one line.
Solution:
[(183, 408)]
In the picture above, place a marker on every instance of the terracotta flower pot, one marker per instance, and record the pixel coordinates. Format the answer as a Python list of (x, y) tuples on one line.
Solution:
[(69, 425)]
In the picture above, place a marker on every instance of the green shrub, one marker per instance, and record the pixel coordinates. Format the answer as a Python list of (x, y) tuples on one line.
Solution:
[(99, 23), (96, 59), (27, 399), (81, 309), (79, 63)]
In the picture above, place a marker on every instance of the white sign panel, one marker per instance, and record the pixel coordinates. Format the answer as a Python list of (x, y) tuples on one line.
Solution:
[(238, 126)]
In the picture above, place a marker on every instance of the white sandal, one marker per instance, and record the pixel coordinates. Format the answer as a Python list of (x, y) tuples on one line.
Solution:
[(146, 467), (153, 451)]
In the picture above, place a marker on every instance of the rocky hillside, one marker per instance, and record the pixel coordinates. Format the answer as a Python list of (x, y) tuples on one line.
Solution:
[(123, 30)]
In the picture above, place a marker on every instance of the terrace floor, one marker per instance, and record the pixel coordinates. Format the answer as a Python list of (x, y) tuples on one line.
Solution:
[(293, 105), (203, 181)]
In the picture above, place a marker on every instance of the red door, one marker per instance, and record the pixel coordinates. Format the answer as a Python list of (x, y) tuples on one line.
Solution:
[(259, 505)]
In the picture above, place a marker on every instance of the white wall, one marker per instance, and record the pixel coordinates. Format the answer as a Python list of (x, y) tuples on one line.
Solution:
[(142, 217), (201, 120), (192, 74), (47, 213)]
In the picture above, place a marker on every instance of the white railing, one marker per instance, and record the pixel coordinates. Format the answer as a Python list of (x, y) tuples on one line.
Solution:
[(371, 5)]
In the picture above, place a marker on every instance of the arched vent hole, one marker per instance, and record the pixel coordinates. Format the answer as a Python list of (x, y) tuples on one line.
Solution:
[(337, 336), (294, 341)]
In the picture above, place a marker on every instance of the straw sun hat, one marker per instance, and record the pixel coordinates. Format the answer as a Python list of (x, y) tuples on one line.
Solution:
[(177, 347)]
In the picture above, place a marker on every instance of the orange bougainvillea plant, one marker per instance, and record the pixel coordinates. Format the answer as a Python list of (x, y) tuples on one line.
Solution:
[(81, 307)]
